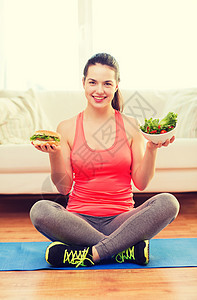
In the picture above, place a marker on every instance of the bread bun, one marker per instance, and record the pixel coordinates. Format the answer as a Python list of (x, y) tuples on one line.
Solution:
[(42, 142), (48, 132)]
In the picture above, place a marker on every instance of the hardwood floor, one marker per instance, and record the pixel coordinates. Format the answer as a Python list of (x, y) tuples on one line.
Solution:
[(164, 283)]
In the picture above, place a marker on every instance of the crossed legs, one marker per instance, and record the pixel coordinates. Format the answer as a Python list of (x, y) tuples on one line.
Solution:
[(117, 234)]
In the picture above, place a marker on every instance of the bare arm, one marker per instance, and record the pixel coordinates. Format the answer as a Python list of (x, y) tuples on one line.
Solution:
[(61, 169), (143, 167)]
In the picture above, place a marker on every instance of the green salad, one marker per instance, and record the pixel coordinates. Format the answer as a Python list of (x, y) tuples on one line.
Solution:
[(154, 126)]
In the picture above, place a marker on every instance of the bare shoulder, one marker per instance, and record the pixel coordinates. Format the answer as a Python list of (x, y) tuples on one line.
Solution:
[(66, 124), (67, 130), (131, 124)]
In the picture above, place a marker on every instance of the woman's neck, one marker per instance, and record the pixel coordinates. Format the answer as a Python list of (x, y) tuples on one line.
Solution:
[(98, 114)]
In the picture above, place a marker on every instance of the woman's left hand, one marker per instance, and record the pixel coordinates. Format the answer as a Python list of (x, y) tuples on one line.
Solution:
[(153, 146)]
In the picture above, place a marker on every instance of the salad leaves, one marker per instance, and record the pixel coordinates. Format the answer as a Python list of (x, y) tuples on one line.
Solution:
[(44, 137), (154, 126)]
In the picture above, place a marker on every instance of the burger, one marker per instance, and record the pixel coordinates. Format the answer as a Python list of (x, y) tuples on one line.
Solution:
[(45, 137)]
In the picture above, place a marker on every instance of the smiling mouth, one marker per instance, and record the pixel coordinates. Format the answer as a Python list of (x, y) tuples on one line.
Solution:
[(99, 99)]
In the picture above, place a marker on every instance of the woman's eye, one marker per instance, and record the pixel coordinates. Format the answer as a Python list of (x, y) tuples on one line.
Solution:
[(108, 84)]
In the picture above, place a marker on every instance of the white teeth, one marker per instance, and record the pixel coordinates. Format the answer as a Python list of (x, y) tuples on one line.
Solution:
[(98, 98)]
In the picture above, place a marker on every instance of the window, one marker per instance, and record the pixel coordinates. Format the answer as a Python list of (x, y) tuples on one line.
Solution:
[(154, 41), (44, 44), (41, 44)]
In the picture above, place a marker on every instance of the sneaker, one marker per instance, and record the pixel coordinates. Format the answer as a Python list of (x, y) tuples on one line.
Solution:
[(62, 255), (138, 254)]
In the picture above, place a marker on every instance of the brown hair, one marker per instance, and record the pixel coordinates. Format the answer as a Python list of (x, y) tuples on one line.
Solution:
[(110, 61)]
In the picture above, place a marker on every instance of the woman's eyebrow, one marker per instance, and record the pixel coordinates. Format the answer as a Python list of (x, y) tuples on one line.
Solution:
[(96, 80), (108, 81), (92, 79)]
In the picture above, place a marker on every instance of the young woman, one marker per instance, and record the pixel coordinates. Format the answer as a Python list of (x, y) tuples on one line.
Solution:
[(101, 151)]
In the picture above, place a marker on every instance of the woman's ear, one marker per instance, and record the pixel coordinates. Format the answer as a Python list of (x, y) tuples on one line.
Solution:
[(83, 81)]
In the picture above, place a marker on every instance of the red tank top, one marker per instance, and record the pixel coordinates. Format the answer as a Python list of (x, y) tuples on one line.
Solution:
[(102, 178)]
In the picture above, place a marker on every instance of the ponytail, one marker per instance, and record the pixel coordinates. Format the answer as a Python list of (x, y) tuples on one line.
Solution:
[(117, 102)]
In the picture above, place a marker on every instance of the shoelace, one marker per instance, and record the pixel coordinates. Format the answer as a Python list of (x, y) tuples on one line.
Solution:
[(77, 257), (146, 252), (124, 255)]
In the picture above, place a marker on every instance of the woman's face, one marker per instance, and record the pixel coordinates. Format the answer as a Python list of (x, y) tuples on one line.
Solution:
[(100, 85)]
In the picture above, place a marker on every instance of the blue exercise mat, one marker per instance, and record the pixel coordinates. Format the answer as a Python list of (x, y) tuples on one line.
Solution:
[(164, 253)]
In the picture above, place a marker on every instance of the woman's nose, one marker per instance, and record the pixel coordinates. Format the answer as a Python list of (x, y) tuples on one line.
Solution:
[(100, 89)]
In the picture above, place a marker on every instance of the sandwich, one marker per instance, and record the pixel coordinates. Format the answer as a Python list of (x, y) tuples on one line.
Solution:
[(45, 137)]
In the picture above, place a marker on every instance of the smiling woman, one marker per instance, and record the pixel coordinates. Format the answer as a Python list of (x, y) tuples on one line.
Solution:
[(100, 221), (102, 89), (101, 80)]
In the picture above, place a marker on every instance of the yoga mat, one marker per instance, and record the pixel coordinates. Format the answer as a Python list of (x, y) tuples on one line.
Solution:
[(164, 253)]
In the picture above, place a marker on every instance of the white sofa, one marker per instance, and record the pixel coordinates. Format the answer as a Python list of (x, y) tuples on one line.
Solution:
[(24, 170)]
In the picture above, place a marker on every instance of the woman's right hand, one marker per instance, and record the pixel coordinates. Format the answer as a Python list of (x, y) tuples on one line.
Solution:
[(47, 148)]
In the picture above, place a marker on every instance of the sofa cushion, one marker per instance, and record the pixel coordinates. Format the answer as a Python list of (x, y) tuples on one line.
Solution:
[(23, 159), (181, 154), (61, 105), (184, 103), (20, 116), (143, 104)]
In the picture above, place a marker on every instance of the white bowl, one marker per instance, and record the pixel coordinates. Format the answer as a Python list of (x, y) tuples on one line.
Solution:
[(162, 137)]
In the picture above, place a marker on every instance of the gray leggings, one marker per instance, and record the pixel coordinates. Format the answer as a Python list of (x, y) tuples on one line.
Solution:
[(109, 235)]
